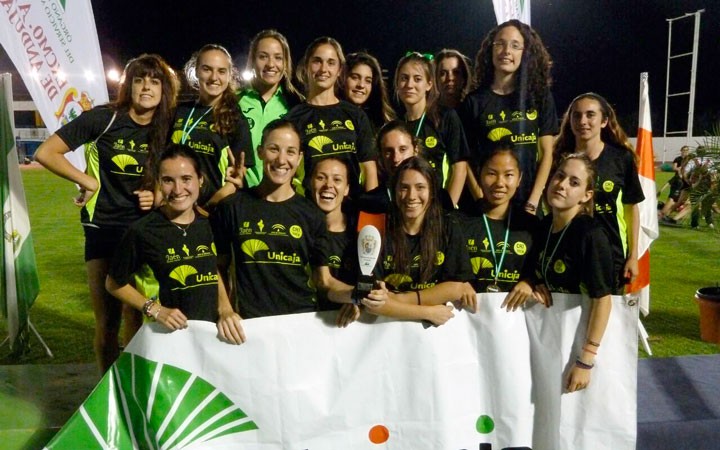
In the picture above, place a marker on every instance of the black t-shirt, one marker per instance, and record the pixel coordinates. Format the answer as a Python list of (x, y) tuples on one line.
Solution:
[(447, 139), (341, 130), (274, 245), (185, 266), (197, 122), (117, 161), (342, 262), (574, 261), (451, 261), (488, 117), (618, 184), (516, 265)]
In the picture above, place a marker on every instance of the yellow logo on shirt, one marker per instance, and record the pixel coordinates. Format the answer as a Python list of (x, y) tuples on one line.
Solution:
[(520, 248), (531, 114), (296, 231), (430, 142), (439, 258), (349, 125), (559, 266), (608, 186)]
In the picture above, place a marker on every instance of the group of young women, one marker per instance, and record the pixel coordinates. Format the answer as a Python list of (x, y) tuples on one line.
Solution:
[(457, 179)]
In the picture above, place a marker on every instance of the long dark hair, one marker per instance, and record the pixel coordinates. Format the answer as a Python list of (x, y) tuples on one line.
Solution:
[(153, 66), (433, 95), (287, 57), (534, 78), (378, 105), (432, 230), (612, 133), (226, 113)]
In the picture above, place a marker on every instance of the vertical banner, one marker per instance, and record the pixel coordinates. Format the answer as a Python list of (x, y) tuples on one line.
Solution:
[(512, 9), (19, 283), (648, 207), (489, 380), (53, 45)]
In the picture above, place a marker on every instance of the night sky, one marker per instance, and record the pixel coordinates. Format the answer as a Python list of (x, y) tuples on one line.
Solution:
[(599, 46)]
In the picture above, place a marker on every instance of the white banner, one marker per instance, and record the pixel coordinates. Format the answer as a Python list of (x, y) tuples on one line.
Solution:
[(491, 378), (54, 46), (512, 9)]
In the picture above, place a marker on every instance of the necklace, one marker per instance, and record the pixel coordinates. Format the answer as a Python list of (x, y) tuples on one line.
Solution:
[(181, 228), (185, 131), (498, 267), (544, 267)]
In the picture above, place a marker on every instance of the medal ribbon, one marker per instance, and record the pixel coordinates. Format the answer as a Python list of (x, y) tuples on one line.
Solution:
[(557, 244), (498, 267), (185, 131)]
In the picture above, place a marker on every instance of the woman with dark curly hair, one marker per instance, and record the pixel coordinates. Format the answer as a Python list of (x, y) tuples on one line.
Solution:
[(364, 86), (123, 141), (590, 127), (453, 75), (512, 99), (212, 124)]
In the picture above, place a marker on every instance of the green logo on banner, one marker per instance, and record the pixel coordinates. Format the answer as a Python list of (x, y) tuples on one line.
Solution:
[(148, 405)]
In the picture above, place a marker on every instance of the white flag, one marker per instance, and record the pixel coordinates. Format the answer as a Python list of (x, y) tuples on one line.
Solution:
[(53, 45)]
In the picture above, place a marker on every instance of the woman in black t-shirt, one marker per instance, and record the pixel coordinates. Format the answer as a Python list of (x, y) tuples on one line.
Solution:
[(500, 235), (330, 126), (364, 86), (330, 188), (439, 129), (123, 141), (423, 259), (590, 127), (575, 257), (512, 98), (176, 242), (212, 124)]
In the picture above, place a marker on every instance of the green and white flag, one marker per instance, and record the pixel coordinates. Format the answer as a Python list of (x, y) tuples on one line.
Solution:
[(19, 285)]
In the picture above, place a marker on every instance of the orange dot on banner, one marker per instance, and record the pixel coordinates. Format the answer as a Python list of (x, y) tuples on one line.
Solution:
[(378, 434)]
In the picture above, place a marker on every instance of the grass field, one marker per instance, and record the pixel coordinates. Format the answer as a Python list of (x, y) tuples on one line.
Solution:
[(683, 260)]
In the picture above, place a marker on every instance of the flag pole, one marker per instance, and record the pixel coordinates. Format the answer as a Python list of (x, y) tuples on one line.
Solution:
[(19, 285)]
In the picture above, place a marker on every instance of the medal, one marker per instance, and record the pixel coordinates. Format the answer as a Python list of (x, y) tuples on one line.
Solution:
[(498, 265)]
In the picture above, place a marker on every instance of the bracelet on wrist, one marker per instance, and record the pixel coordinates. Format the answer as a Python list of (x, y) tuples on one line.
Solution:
[(579, 363), (147, 307)]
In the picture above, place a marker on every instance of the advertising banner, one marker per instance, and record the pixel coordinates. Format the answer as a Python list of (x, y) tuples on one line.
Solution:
[(490, 380)]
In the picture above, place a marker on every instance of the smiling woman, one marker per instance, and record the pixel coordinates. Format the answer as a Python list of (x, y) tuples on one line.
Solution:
[(123, 142), (212, 124), (330, 126), (190, 288)]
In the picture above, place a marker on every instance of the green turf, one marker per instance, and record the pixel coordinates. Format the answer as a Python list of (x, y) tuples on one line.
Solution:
[(682, 261)]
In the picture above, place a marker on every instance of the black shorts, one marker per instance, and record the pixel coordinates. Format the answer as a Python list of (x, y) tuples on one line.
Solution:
[(100, 243)]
